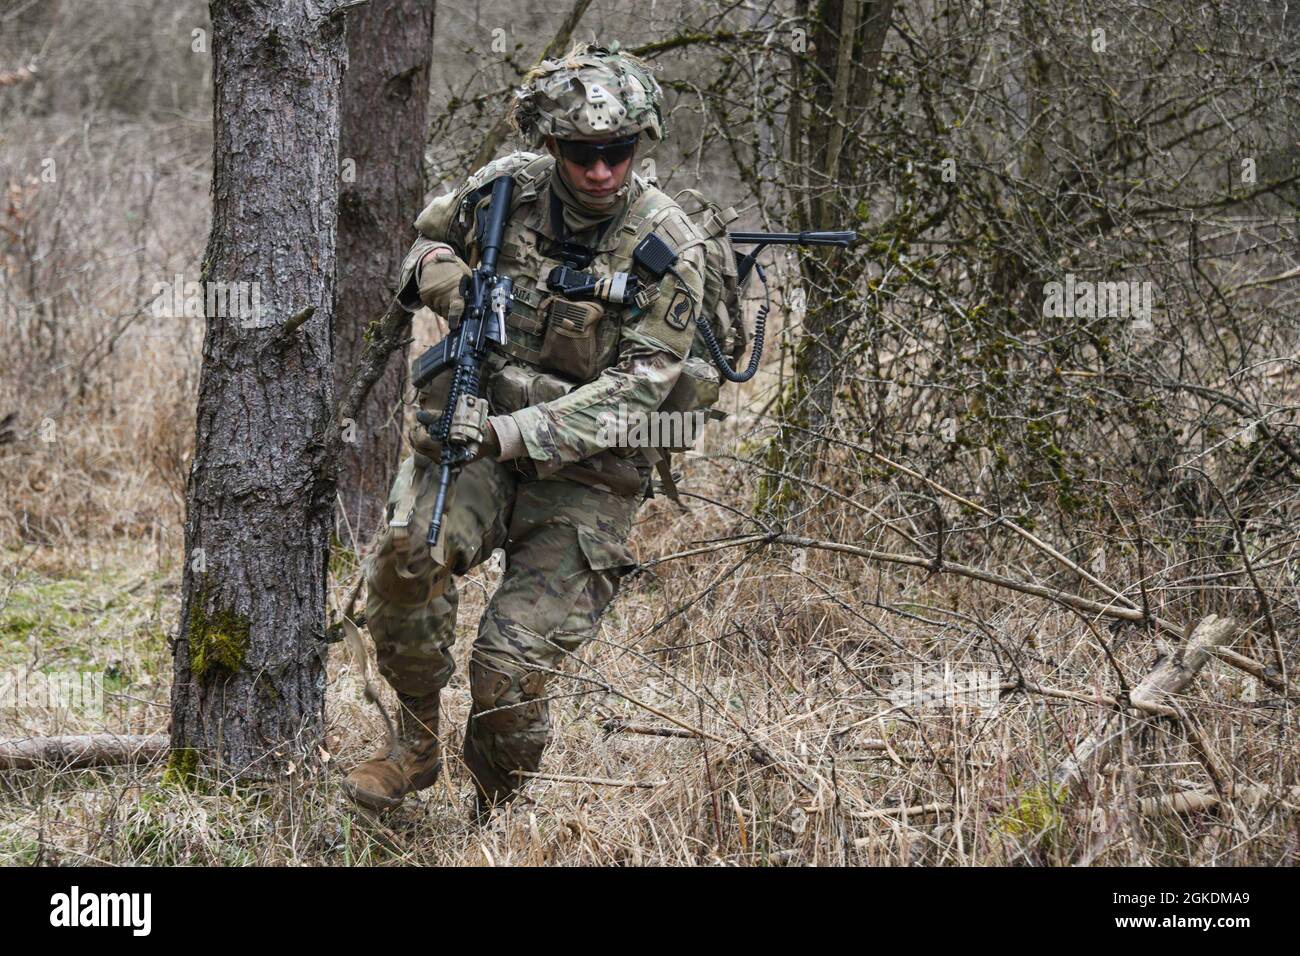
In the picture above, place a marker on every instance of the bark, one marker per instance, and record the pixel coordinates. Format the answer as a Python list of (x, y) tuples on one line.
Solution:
[(248, 688), (385, 95)]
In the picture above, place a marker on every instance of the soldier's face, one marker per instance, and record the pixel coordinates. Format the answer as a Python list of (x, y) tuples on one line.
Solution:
[(598, 177)]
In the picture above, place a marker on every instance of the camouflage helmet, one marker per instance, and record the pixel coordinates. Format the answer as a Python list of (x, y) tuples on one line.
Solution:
[(593, 93)]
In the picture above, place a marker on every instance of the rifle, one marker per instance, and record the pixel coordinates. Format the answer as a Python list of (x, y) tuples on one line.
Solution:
[(764, 239), (482, 325)]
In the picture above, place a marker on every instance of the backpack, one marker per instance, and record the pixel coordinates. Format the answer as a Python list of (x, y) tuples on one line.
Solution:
[(700, 383), (721, 288)]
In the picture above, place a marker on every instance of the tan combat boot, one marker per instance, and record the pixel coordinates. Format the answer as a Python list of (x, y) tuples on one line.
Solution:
[(413, 764)]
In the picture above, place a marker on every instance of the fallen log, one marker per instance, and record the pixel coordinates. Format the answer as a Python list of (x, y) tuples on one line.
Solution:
[(77, 751), (1195, 801), (1170, 676), (1264, 675)]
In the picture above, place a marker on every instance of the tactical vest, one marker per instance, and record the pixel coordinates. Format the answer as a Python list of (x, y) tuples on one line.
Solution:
[(554, 345)]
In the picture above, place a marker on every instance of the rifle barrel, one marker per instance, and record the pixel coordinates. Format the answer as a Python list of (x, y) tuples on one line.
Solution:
[(503, 189), (846, 238)]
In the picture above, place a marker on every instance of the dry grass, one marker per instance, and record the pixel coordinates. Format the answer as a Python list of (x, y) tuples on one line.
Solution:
[(787, 673)]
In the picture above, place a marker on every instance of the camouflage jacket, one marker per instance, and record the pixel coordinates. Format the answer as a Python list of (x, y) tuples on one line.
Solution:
[(562, 383)]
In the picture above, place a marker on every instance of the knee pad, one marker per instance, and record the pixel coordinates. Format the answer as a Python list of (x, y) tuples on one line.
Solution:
[(507, 703)]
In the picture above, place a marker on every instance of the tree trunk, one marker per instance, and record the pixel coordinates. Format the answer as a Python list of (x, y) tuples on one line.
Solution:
[(385, 95), (848, 36), (248, 688)]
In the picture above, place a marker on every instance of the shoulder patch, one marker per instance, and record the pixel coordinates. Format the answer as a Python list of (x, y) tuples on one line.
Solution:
[(679, 310)]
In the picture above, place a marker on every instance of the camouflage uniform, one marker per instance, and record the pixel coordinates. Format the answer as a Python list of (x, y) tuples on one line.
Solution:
[(563, 509)]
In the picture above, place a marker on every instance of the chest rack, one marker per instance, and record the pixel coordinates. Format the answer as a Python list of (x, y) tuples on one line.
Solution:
[(657, 258)]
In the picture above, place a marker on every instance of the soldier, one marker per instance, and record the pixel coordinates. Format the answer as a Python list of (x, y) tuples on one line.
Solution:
[(545, 486)]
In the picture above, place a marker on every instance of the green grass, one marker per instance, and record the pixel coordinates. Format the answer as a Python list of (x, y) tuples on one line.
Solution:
[(110, 619)]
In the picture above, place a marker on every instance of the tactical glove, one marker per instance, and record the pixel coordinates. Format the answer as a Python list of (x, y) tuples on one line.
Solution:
[(440, 273), (425, 444)]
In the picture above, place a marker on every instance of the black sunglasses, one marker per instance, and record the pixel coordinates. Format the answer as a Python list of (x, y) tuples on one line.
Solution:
[(586, 154)]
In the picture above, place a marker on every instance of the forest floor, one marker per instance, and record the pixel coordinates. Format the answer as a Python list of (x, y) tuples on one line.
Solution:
[(798, 752)]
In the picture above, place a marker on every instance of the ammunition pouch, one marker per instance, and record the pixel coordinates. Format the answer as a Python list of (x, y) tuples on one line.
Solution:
[(606, 472), (512, 387)]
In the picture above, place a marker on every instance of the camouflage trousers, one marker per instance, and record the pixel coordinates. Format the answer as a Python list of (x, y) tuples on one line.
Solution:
[(565, 547)]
